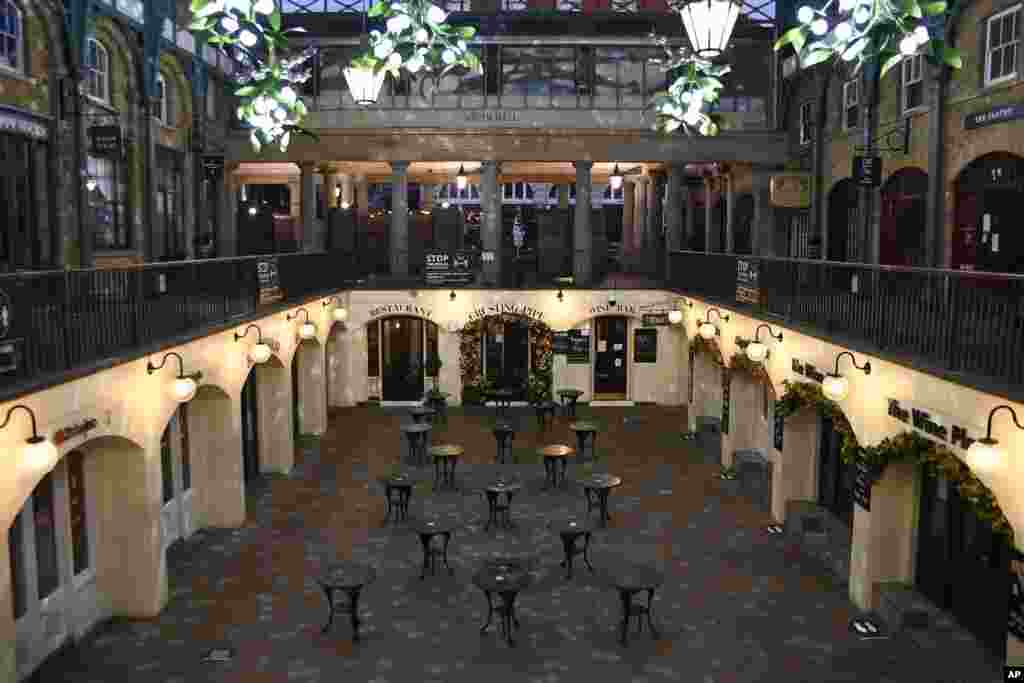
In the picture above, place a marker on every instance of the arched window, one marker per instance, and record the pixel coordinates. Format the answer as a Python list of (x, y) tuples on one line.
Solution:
[(10, 36), (160, 100), (97, 70)]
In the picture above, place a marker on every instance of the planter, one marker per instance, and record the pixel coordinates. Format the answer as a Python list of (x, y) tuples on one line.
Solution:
[(729, 487)]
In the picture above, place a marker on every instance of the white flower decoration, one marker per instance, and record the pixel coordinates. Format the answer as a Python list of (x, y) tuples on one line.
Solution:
[(263, 7), (399, 23), (395, 60), (229, 24), (248, 38), (436, 14), (383, 49), (415, 63), (288, 95), (422, 36), (448, 56)]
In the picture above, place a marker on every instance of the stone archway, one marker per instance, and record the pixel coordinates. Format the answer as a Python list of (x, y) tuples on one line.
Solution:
[(308, 388), (274, 416), (752, 397), (215, 439), (986, 234), (338, 387), (844, 222)]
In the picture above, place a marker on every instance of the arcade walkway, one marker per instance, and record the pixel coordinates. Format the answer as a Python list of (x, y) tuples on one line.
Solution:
[(738, 604)]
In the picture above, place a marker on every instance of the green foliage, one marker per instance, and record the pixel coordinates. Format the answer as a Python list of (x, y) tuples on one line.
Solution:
[(799, 395), (682, 106)]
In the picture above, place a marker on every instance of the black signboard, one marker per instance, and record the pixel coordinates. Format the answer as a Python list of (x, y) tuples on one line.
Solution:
[(867, 171), (560, 343), (448, 268), (748, 275), (1016, 616), (269, 282), (645, 345), (653, 319), (864, 478), (780, 425), (1008, 112), (213, 165), (105, 141), (726, 399), (579, 348)]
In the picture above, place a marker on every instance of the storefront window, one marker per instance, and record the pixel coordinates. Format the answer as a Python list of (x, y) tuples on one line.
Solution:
[(10, 35), (79, 520), (46, 537), (25, 236), (111, 227), (169, 197)]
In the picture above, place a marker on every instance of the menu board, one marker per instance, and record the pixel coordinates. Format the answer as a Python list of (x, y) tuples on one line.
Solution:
[(579, 348), (748, 274), (560, 343), (864, 478), (269, 281), (448, 268), (726, 399), (645, 345), (780, 425)]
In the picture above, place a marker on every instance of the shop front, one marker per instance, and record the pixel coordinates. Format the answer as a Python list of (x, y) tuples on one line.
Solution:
[(402, 354), (987, 234)]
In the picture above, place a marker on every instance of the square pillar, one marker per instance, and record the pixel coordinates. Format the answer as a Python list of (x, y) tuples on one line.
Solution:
[(399, 243), (650, 198), (328, 198), (490, 223), (583, 258), (307, 205)]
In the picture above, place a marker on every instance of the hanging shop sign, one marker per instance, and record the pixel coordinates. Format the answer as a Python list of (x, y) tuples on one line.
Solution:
[(269, 282), (448, 268), (401, 309), (809, 371), (990, 117), (932, 424), (105, 141), (510, 309), (213, 165), (654, 319), (748, 276), (11, 123), (645, 345), (790, 190), (867, 171), (71, 432)]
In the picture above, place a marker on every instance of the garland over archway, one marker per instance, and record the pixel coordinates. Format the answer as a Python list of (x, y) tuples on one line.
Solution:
[(541, 354), (800, 395), (699, 345), (740, 363)]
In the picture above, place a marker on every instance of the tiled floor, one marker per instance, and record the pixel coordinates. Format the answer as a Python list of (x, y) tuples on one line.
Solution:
[(738, 604)]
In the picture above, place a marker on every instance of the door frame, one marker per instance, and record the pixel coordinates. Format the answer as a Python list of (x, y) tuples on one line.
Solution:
[(629, 354)]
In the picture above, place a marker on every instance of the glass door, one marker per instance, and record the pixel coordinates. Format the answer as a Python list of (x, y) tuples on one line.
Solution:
[(610, 359), (402, 354), (507, 355), (250, 438), (835, 478)]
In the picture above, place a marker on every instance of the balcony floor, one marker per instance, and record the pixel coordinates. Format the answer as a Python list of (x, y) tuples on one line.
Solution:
[(738, 604)]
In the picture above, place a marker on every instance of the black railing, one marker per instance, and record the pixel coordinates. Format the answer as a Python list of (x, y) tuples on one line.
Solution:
[(962, 325)]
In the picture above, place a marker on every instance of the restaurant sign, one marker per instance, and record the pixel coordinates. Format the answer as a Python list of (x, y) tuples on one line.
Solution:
[(401, 309), (932, 424), (603, 309), (990, 117), (509, 309)]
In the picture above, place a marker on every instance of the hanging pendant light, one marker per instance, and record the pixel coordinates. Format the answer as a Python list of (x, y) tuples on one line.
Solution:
[(364, 80), (709, 25), (615, 179), (461, 180)]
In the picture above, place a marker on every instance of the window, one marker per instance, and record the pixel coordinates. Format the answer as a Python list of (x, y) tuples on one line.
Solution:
[(97, 71), (1002, 37), (112, 230), (10, 36), (76, 503), (805, 123), (46, 537), (160, 100), (851, 104), (913, 82)]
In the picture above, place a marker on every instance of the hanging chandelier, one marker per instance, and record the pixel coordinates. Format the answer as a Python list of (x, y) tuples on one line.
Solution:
[(709, 25)]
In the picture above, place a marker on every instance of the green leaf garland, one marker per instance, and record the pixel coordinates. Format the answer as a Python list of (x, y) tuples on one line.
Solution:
[(683, 107)]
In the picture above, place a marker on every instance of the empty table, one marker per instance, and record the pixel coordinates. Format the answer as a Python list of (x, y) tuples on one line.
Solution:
[(417, 434), (583, 429), (503, 435), (349, 578), (421, 413), (397, 491), (552, 455), (596, 488), (506, 578), (495, 507), (431, 530), (570, 531), (629, 579), (569, 398), (446, 457)]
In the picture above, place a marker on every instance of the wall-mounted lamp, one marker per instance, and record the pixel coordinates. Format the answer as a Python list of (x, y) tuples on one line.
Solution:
[(345, 206), (253, 210), (707, 329), (185, 386), (836, 387), (560, 296), (445, 204), (984, 455), (756, 351), (461, 180), (260, 351), (675, 316), (307, 330), (340, 312), (40, 453), (337, 191), (90, 183), (451, 297)]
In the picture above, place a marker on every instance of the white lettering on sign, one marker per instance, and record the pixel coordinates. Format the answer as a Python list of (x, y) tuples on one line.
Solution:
[(513, 309), (932, 424), (401, 309)]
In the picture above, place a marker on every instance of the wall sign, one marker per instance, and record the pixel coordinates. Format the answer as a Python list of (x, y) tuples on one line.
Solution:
[(74, 430), (867, 171), (493, 116), (604, 309), (645, 345), (654, 319), (269, 282), (400, 309), (779, 426), (809, 371), (790, 190), (560, 343), (748, 274), (579, 348), (105, 141), (511, 309), (448, 268), (989, 117), (213, 165), (726, 399), (934, 425)]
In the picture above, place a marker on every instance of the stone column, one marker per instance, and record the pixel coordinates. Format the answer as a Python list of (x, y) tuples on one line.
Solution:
[(730, 206), (762, 231), (348, 194), (628, 215), (426, 197), (362, 197), (399, 243), (563, 196), (583, 257), (307, 205), (490, 223), (328, 198)]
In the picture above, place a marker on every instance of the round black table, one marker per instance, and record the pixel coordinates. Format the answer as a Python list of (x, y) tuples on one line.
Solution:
[(569, 398), (552, 455), (400, 484), (429, 530), (503, 435), (349, 578), (502, 399), (417, 434), (421, 414), (583, 429), (506, 578), (446, 457), (629, 579), (570, 530), (596, 488), (495, 507)]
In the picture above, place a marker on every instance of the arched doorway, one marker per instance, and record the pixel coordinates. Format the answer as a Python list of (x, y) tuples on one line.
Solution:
[(505, 353), (611, 358), (399, 348), (903, 223), (216, 473), (177, 519), (987, 235), (835, 477), (844, 223)]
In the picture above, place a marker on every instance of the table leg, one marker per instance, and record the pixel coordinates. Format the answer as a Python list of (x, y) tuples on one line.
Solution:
[(404, 495), (625, 598), (330, 609), (586, 551), (567, 543), (451, 473), (425, 540), (437, 473), (565, 464), (354, 602), (650, 606), (547, 473), (492, 509), (387, 503), (447, 537), (490, 612), (510, 617), (602, 497)]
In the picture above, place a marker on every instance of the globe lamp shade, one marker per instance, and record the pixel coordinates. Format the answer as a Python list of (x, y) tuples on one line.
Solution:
[(461, 180), (307, 331), (756, 351), (40, 454), (835, 387), (675, 317), (707, 330), (709, 25), (984, 455), (364, 82), (183, 389), (259, 353), (615, 179), (341, 314)]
